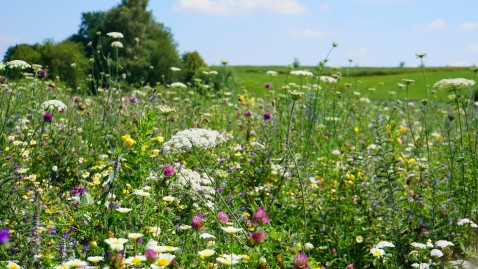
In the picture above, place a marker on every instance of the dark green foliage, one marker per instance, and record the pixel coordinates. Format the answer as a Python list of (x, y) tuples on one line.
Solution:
[(192, 61)]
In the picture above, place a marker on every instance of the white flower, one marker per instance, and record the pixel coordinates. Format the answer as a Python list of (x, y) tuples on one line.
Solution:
[(175, 69), (271, 73), (229, 259), (135, 260), (95, 259), (454, 83), (421, 265), (12, 265), (206, 236), (54, 104), (231, 230), (75, 263), (308, 246), (187, 139), (154, 230), (302, 73), (142, 193), (161, 249), (465, 221), (116, 243), (115, 35), (443, 243), (168, 198), (135, 236), (18, 64), (117, 44), (418, 245), (163, 260), (327, 79), (206, 253), (377, 252), (178, 85), (384, 244), (166, 109), (123, 210), (436, 253)]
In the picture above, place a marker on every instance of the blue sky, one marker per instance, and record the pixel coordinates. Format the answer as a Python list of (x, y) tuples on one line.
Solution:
[(274, 32)]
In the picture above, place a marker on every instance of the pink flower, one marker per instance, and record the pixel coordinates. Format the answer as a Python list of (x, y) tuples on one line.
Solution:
[(300, 261), (222, 217), (168, 171), (260, 216), (197, 223)]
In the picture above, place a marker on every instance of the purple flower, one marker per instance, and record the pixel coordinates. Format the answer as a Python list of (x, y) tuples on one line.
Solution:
[(267, 85), (4, 236), (300, 261), (222, 217), (48, 117), (350, 266), (260, 216), (267, 116), (168, 171), (197, 223), (248, 114), (133, 99)]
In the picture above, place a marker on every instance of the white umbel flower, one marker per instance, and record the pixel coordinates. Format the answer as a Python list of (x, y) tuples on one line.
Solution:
[(178, 85), (454, 83), (115, 35), (328, 79), (18, 64), (443, 243), (302, 73), (47, 105), (187, 139), (117, 44), (436, 253)]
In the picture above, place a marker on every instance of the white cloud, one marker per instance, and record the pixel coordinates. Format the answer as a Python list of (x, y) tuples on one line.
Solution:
[(240, 7), (9, 39), (432, 26), (473, 48), (325, 7), (468, 26), (357, 53), (308, 33)]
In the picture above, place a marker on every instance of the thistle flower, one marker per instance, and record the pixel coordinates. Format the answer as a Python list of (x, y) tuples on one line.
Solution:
[(48, 117), (267, 116), (300, 261), (197, 223), (150, 254), (260, 216), (168, 171), (222, 217)]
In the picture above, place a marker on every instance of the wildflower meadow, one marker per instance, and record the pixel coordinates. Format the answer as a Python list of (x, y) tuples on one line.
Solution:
[(316, 173)]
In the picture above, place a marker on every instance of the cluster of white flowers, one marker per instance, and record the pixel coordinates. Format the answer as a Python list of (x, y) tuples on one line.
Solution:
[(467, 221), (187, 139), (454, 83), (115, 35), (178, 85), (197, 185), (175, 69), (303, 73), (18, 64), (418, 245), (295, 95), (443, 243), (436, 253), (117, 44), (384, 244), (53, 104), (213, 72), (271, 73), (421, 265), (327, 79), (165, 109)]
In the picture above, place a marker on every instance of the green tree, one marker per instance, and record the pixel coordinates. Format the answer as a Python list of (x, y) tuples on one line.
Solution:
[(192, 61)]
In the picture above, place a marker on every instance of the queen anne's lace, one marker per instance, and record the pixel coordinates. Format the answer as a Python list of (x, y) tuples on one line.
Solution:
[(187, 139), (454, 83), (47, 105)]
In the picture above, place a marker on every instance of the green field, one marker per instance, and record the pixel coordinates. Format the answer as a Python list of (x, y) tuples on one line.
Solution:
[(384, 80)]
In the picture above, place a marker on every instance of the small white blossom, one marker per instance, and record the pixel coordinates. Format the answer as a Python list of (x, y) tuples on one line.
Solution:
[(443, 243), (418, 245), (178, 85), (271, 73), (302, 73), (384, 244), (436, 253), (327, 79), (115, 35), (117, 44)]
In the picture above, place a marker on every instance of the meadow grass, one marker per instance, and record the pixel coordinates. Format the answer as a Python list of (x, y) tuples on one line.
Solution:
[(316, 173)]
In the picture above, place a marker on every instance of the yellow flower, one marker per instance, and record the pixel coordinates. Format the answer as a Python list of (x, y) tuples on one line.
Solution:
[(158, 139), (411, 161)]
